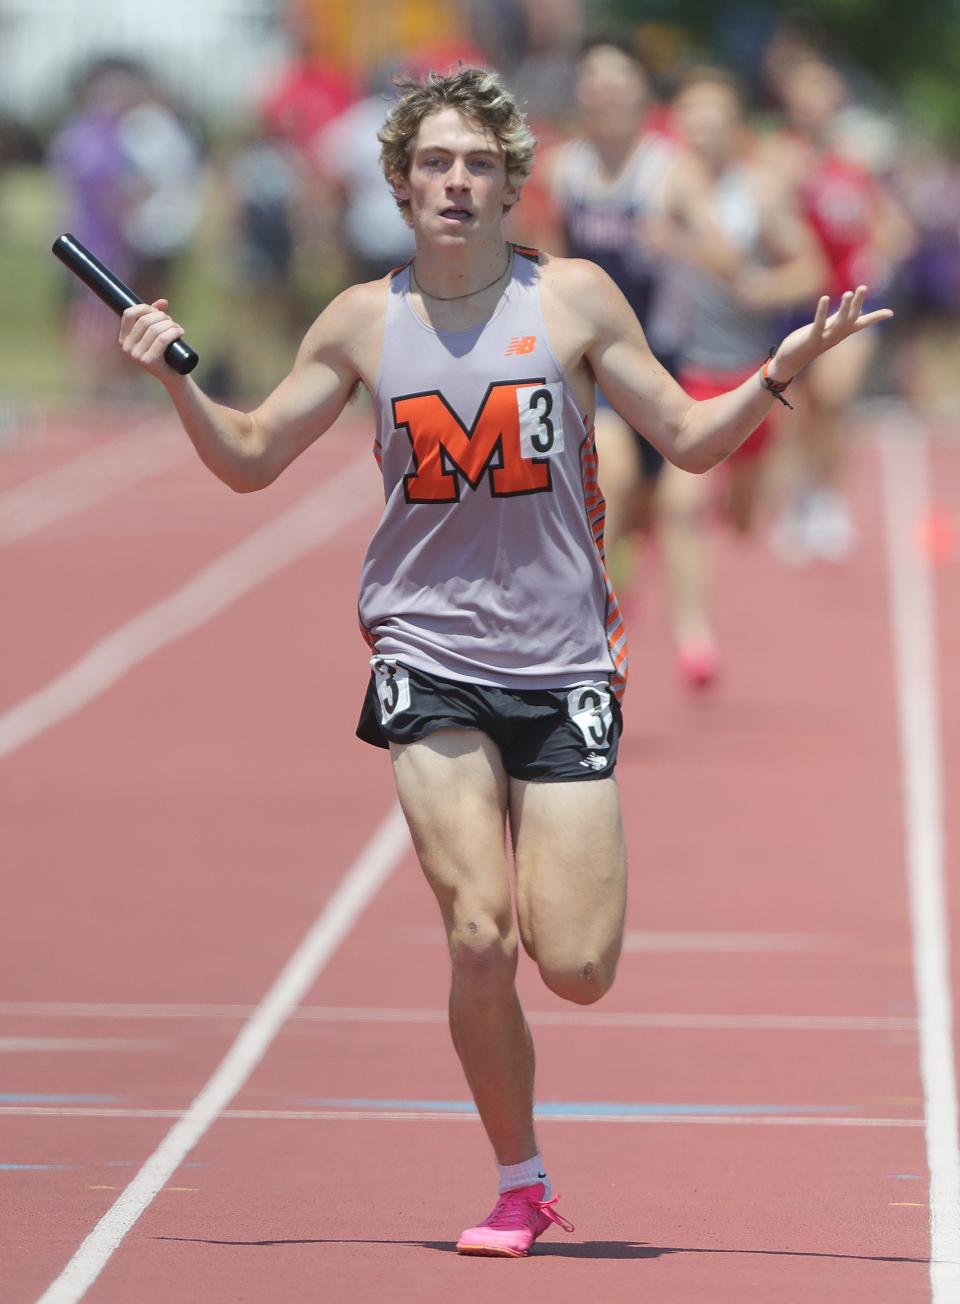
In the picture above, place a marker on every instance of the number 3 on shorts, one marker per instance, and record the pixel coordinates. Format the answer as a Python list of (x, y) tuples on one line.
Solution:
[(393, 687), (589, 708)]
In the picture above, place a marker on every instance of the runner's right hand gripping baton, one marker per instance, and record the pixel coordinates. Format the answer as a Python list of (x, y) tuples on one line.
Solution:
[(115, 294)]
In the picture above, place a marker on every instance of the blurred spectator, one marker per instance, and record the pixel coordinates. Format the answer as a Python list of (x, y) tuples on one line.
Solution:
[(928, 183), (309, 91), (865, 236), (501, 29), (372, 234), (265, 194), (161, 217), (130, 173), (99, 187), (88, 159)]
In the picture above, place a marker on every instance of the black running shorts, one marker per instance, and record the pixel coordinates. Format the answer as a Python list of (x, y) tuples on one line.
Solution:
[(544, 735)]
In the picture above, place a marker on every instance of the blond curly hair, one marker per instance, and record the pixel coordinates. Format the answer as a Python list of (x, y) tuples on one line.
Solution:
[(476, 93)]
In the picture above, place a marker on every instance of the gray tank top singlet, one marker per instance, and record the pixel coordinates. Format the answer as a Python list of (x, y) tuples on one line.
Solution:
[(723, 335), (487, 565)]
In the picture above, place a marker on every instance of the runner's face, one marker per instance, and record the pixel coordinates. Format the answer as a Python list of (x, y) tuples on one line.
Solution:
[(708, 116), (611, 89), (457, 184), (813, 94)]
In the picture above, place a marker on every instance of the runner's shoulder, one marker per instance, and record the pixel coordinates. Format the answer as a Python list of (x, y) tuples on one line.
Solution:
[(578, 284), (350, 317)]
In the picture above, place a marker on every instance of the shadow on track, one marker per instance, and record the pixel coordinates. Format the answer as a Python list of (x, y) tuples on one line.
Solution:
[(574, 1250)]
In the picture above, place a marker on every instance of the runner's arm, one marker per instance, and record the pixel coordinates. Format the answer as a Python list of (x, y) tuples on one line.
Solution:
[(248, 450), (798, 271), (693, 435)]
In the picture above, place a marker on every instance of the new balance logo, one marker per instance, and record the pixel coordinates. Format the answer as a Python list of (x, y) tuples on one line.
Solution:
[(521, 344), (594, 762)]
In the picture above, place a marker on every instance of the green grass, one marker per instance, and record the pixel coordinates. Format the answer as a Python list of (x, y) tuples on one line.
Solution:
[(32, 356)]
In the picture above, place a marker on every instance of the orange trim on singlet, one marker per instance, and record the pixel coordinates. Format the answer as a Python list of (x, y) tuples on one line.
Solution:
[(596, 507), (366, 635)]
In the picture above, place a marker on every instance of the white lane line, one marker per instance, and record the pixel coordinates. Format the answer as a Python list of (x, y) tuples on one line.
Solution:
[(356, 890), (913, 609), (217, 586), (148, 449), (445, 1116), (413, 1014)]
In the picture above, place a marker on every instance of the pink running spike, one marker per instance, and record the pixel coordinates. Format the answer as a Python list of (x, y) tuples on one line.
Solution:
[(698, 662), (517, 1219)]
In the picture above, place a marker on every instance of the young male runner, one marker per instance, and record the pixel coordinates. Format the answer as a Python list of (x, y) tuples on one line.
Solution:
[(498, 648)]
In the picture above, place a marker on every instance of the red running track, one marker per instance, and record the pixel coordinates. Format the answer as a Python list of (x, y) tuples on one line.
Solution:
[(741, 1119)]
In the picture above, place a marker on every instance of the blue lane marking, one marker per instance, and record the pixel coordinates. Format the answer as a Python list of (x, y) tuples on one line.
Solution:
[(47, 1098), (30, 1168), (577, 1108), (108, 1163)]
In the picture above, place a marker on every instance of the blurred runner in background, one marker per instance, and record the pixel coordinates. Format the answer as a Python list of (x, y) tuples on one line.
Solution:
[(605, 186), (553, 32), (864, 236), (742, 256)]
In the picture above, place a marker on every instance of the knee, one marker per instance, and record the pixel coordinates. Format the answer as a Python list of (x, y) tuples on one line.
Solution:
[(482, 953), (583, 984)]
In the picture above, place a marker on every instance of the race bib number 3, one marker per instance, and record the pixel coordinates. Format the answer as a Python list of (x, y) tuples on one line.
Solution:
[(540, 408), (589, 708), (393, 687)]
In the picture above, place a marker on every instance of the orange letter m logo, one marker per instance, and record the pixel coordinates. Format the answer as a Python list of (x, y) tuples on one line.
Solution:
[(444, 450)]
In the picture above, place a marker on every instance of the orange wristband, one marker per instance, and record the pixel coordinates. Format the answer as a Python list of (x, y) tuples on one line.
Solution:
[(776, 387)]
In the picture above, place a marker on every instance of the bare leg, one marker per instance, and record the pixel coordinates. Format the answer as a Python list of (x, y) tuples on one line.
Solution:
[(571, 882), (747, 478), (460, 841), (682, 501)]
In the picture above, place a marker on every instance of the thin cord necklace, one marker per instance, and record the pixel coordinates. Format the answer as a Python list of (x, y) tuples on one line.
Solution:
[(449, 298)]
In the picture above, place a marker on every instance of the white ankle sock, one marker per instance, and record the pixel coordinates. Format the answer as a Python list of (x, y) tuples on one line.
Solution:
[(525, 1174)]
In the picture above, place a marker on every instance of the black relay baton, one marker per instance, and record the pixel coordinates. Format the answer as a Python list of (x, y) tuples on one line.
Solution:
[(115, 294)]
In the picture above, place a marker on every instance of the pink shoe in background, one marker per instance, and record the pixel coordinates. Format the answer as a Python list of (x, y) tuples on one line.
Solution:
[(698, 662), (518, 1218)]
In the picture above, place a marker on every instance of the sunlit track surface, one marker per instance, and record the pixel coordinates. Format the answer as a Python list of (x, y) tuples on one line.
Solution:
[(743, 1118), (547, 1018), (91, 477)]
